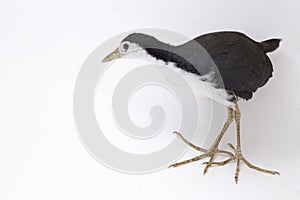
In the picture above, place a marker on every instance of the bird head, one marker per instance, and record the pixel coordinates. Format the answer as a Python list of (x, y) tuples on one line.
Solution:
[(135, 45)]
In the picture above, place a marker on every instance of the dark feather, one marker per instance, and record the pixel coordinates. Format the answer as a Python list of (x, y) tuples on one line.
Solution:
[(242, 62)]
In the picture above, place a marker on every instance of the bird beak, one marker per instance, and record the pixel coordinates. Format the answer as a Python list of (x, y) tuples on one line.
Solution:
[(113, 55)]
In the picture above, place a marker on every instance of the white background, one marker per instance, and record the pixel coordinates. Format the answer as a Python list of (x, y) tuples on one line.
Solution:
[(42, 47)]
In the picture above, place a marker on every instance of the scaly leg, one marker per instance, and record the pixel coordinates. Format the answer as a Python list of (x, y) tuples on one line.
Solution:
[(238, 153), (213, 150)]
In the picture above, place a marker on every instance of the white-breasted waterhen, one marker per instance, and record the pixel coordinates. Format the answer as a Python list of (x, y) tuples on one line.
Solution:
[(236, 66)]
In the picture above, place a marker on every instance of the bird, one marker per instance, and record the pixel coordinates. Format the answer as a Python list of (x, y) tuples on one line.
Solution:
[(232, 64)]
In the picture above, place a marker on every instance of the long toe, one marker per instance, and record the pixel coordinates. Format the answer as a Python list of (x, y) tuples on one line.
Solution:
[(239, 157)]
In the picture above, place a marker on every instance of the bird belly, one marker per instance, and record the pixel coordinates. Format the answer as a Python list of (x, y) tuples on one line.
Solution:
[(204, 88)]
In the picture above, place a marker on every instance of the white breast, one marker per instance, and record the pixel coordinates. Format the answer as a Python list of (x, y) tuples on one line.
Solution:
[(203, 89)]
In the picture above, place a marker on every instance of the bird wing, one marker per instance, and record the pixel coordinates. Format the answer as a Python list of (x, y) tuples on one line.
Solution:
[(241, 61)]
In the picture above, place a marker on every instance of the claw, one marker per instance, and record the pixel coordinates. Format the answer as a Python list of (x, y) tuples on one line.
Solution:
[(206, 169), (236, 179), (231, 146)]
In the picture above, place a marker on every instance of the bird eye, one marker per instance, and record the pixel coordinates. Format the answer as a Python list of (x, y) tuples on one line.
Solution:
[(125, 46)]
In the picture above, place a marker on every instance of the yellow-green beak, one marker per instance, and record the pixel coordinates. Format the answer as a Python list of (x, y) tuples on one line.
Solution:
[(113, 55)]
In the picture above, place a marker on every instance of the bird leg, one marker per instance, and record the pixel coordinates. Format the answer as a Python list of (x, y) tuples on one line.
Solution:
[(213, 150), (238, 153)]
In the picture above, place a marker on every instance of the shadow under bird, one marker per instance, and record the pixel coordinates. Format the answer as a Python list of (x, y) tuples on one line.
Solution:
[(233, 66)]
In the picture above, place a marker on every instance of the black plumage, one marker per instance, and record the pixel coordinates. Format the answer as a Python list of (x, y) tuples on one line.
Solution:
[(241, 62)]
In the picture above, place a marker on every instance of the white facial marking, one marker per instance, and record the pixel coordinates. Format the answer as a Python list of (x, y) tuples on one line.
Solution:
[(128, 49)]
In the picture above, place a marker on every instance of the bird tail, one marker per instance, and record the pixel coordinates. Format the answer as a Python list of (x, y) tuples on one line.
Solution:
[(270, 45)]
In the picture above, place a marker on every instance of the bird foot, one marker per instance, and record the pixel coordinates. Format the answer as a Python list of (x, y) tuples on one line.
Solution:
[(207, 153), (238, 157)]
